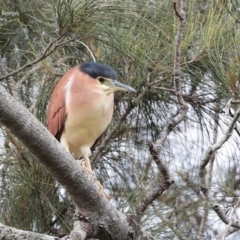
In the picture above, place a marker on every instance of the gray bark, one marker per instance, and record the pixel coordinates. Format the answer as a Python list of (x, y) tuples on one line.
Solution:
[(103, 219), (8, 233)]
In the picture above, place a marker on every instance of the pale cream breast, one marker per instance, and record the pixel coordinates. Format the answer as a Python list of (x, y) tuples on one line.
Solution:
[(97, 114)]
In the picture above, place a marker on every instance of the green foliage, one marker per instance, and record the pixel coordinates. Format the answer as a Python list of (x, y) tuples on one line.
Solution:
[(136, 38)]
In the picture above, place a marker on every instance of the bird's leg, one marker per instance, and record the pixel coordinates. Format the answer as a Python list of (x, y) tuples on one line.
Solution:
[(87, 163), (89, 169), (82, 163)]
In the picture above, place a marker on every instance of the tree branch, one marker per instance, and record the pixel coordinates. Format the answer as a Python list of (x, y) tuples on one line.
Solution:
[(221, 214), (212, 149), (176, 11), (94, 209), (9, 233), (203, 223), (155, 148), (155, 193), (183, 107), (231, 220), (49, 50), (204, 162)]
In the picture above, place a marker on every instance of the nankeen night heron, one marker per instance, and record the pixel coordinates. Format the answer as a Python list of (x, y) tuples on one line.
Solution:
[(81, 107)]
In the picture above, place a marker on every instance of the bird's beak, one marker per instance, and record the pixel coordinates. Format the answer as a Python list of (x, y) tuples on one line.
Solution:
[(117, 86)]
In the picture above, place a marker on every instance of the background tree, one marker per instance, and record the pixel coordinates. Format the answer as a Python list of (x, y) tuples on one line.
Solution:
[(43, 39)]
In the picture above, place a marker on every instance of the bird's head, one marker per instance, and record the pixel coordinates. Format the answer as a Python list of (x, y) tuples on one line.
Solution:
[(106, 77), (112, 85)]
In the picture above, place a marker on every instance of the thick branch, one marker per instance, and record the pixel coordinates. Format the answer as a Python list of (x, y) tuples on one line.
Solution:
[(95, 209), (9, 233)]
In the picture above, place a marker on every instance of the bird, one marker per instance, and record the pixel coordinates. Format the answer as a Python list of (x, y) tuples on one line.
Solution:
[(81, 107)]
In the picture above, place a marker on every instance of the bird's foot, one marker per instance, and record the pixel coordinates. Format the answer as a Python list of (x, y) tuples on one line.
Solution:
[(84, 168), (102, 190)]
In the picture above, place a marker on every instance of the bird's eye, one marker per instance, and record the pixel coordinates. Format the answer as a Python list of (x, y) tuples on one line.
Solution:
[(101, 80)]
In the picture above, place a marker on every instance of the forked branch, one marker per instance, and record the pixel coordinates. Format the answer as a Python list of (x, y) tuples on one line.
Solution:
[(156, 147)]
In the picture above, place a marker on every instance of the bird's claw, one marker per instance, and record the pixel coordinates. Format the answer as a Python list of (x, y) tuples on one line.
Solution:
[(84, 168), (101, 191)]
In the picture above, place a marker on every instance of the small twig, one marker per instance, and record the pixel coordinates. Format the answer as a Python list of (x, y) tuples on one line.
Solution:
[(160, 79), (221, 214), (19, 147), (89, 50), (209, 182), (204, 162), (213, 148), (49, 50), (148, 200), (176, 11), (231, 219), (177, 59), (165, 89), (46, 53), (161, 166), (58, 217), (231, 231), (155, 193), (183, 107), (170, 223)]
